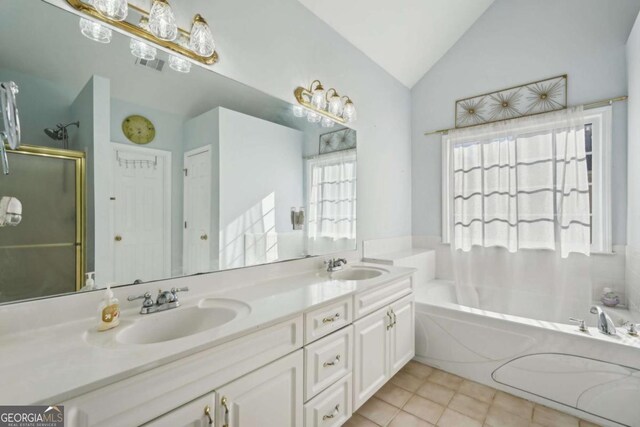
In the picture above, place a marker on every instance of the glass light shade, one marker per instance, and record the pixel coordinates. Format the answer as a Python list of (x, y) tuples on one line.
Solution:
[(327, 123), (94, 31), (178, 62), (317, 99), (313, 117), (162, 21), (349, 113), (335, 105), (299, 111), (140, 49), (112, 9), (201, 39)]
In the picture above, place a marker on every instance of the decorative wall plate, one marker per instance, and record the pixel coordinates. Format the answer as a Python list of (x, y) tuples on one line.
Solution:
[(344, 139), (138, 129), (526, 100)]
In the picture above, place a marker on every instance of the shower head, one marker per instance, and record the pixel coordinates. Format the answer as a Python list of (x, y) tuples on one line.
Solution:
[(60, 132)]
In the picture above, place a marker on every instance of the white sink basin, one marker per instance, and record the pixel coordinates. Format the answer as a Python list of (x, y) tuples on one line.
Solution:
[(182, 321), (357, 273)]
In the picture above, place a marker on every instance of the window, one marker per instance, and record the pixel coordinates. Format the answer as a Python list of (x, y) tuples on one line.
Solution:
[(597, 124)]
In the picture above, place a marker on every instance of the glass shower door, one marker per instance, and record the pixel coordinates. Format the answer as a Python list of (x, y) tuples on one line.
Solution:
[(44, 254)]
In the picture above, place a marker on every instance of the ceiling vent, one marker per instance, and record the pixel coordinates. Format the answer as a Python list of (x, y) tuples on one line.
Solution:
[(156, 64)]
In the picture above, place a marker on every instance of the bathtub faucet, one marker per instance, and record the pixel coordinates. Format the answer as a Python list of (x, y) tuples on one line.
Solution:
[(605, 324)]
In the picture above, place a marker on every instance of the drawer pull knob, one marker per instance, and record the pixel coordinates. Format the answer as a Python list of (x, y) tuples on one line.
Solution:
[(390, 325), (335, 412), (395, 318), (331, 319), (333, 362), (207, 412), (225, 406)]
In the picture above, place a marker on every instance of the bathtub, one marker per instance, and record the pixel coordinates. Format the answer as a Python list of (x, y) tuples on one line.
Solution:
[(514, 344)]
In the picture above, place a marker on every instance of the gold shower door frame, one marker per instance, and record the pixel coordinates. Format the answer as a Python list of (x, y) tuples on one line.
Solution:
[(79, 158)]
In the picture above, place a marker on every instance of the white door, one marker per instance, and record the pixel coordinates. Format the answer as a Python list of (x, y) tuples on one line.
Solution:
[(402, 343), (371, 364), (197, 413), (268, 397), (197, 211), (141, 214)]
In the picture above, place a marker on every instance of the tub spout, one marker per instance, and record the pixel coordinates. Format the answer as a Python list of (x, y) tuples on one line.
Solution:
[(605, 324)]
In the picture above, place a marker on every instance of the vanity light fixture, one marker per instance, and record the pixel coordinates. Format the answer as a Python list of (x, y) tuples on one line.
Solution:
[(162, 21), (177, 62), (116, 10), (325, 107), (201, 40), (141, 49), (161, 30)]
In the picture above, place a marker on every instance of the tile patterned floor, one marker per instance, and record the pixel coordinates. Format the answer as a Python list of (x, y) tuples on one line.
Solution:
[(422, 396)]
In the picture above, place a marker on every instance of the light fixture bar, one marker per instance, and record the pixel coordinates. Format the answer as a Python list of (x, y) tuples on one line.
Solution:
[(303, 96), (133, 29)]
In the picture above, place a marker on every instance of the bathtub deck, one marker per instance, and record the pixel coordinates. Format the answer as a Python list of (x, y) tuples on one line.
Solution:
[(422, 396)]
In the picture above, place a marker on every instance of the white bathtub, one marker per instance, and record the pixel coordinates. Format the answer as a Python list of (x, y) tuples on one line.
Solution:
[(591, 375)]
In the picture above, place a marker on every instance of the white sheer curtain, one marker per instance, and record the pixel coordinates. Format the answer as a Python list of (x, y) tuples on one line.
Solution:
[(519, 200), (331, 193)]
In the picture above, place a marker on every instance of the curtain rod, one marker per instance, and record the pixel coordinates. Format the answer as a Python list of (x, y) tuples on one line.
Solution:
[(588, 106)]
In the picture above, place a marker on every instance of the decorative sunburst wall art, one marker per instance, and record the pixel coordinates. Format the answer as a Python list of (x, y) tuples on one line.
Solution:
[(532, 98)]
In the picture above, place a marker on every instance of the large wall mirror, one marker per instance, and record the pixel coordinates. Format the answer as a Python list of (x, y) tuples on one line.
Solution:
[(138, 172)]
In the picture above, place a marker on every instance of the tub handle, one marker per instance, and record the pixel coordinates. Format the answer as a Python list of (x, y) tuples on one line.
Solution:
[(581, 325)]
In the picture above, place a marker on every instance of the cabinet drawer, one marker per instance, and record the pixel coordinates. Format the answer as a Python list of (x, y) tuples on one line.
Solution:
[(372, 300), (324, 320), (327, 360), (332, 407)]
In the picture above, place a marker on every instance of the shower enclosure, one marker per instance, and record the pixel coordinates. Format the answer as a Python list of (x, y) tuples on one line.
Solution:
[(44, 255)]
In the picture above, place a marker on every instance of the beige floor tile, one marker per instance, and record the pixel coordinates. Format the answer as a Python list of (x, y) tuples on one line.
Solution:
[(584, 423), (477, 391), (418, 370), (359, 421), (498, 417), (446, 379), (378, 411), (406, 381), (552, 418), (469, 406), (405, 419), (393, 395), (424, 409), (452, 418), (513, 404), (436, 393)]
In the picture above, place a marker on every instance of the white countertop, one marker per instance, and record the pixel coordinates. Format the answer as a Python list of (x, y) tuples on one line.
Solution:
[(52, 364)]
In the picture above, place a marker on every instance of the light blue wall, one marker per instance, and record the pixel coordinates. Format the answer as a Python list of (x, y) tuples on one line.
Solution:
[(169, 137), (41, 103), (514, 42)]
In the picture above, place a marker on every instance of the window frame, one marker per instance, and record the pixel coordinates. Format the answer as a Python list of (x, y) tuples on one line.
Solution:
[(601, 217)]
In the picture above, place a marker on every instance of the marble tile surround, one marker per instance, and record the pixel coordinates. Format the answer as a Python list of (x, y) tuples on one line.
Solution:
[(422, 396)]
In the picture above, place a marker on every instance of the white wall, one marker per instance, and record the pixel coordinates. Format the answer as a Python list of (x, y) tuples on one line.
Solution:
[(633, 183), (515, 42)]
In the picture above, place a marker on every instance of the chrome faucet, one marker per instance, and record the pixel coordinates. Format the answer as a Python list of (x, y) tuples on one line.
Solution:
[(166, 300), (335, 264), (605, 324)]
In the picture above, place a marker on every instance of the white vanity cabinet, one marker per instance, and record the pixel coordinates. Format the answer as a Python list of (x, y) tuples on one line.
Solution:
[(197, 413), (384, 341)]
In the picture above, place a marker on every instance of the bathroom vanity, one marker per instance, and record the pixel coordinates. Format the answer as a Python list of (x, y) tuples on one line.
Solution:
[(304, 348)]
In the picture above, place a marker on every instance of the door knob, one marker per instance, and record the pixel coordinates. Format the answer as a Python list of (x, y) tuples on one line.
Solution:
[(118, 238), (204, 237)]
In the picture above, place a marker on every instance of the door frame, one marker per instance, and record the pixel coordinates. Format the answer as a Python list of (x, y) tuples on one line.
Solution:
[(166, 155), (194, 152)]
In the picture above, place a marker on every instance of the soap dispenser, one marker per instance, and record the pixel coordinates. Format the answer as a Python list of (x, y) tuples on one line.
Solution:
[(90, 283), (109, 311)]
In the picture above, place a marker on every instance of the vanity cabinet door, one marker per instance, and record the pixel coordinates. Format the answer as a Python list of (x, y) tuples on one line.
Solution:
[(197, 413), (402, 345), (268, 397), (371, 365)]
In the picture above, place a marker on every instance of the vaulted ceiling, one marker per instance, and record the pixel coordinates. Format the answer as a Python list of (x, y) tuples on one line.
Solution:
[(405, 37)]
